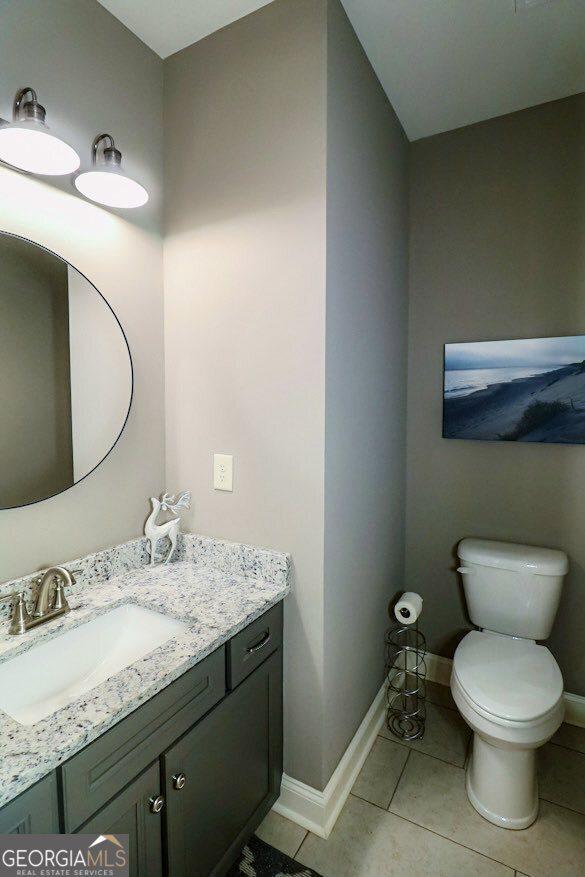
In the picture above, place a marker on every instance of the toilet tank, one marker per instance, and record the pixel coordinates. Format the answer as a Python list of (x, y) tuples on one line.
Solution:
[(512, 589)]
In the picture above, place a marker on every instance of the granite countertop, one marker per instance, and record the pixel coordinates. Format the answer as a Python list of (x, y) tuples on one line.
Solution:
[(215, 596)]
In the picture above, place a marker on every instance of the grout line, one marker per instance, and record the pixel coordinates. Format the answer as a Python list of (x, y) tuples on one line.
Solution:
[(568, 748), (562, 806), (300, 845), (365, 800), (436, 833), (446, 706), (399, 778), (456, 842), (422, 752), (464, 768)]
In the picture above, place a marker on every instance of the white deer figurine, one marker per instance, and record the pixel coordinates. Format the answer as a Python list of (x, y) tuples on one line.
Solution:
[(154, 531)]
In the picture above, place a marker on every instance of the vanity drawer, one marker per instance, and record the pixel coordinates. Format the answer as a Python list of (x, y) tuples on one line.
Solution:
[(99, 771), (251, 646)]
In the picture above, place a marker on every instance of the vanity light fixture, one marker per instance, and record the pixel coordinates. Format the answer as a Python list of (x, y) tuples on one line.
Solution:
[(106, 183), (26, 143)]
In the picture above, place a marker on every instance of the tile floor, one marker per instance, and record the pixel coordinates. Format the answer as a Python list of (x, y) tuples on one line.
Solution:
[(408, 813)]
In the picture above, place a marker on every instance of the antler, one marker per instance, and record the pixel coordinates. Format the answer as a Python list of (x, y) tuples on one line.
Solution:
[(183, 501), (168, 502)]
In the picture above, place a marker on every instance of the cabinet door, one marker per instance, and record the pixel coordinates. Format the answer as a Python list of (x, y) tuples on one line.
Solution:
[(130, 813), (105, 766), (232, 767), (34, 812)]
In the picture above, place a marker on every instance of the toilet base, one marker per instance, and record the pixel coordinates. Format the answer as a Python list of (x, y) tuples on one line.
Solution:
[(502, 785)]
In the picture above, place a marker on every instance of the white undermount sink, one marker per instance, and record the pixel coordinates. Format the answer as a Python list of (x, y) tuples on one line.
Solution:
[(50, 675)]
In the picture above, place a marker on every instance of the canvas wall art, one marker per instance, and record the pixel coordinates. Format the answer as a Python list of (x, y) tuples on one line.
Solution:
[(529, 390)]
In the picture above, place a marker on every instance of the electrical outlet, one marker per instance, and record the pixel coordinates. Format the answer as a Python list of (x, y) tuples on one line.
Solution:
[(223, 472), (527, 5)]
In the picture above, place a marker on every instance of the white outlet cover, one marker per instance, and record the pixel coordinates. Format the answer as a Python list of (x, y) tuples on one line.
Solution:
[(525, 5), (223, 472)]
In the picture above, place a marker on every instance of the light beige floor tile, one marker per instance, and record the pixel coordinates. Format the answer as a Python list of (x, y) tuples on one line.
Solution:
[(571, 737), (561, 777), (381, 771), (446, 735), (281, 833), (440, 694), (368, 842), (432, 793)]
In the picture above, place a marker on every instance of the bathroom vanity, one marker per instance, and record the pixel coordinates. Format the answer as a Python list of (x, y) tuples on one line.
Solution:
[(191, 771)]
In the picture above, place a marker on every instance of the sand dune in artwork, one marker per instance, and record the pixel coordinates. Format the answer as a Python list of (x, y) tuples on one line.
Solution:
[(548, 407)]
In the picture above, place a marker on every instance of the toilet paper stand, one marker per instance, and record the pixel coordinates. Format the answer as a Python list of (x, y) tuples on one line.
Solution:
[(406, 673)]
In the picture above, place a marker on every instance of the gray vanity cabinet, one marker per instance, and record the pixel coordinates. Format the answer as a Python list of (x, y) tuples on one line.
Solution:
[(132, 813), (36, 811), (208, 746), (222, 777)]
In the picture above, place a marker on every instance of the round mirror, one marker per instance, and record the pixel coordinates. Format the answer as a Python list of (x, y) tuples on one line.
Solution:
[(65, 374)]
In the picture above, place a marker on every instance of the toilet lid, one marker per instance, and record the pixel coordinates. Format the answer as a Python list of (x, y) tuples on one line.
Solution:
[(510, 678)]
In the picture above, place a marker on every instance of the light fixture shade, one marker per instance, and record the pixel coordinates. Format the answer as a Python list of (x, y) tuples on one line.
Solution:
[(111, 189), (27, 143), (106, 183)]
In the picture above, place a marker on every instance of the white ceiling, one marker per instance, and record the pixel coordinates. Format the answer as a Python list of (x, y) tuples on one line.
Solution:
[(169, 25), (448, 63), (443, 63)]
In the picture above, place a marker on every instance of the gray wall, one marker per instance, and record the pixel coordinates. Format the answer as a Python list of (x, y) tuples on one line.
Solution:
[(92, 75), (36, 451), (497, 224), (366, 351), (286, 208), (245, 309)]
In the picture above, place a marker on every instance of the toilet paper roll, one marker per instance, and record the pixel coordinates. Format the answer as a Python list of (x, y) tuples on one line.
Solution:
[(408, 608)]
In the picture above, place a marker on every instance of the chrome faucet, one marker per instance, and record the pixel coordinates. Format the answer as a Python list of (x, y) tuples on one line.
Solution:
[(45, 608)]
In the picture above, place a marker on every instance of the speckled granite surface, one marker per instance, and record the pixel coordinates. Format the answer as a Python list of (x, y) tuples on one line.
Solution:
[(217, 587)]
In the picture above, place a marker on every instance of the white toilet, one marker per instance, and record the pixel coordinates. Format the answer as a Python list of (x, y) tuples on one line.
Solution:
[(508, 689)]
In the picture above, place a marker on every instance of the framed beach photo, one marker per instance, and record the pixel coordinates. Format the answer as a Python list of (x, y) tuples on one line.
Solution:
[(529, 390)]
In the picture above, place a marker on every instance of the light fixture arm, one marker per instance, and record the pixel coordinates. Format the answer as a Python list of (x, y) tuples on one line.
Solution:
[(29, 110), (104, 151)]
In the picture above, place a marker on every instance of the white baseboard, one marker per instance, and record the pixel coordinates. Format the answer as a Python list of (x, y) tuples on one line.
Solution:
[(439, 670), (316, 810), (575, 709)]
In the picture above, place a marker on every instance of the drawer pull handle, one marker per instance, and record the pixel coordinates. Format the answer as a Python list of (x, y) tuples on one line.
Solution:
[(156, 803), (259, 645), (179, 780)]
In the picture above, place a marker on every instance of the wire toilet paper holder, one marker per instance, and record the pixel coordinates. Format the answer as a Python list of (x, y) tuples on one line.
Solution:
[(406, 674)]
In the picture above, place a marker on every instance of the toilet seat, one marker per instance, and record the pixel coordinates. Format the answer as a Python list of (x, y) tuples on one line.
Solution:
[(513, 681)]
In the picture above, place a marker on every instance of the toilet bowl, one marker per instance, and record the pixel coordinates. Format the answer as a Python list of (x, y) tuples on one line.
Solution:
[(508, 688), (510, 693)]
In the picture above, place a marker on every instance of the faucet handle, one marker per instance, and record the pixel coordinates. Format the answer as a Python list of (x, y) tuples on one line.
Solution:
[(20, 615), (60, 600)]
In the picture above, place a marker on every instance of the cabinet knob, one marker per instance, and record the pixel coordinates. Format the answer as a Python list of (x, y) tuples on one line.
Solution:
[(179, 780), (156, 803)]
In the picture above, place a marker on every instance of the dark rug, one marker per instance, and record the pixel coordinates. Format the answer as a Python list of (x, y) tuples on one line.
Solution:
[(259, 859)]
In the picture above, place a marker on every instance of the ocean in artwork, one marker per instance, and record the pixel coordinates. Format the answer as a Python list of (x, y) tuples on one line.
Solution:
[(466, 381), (528, 390)]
